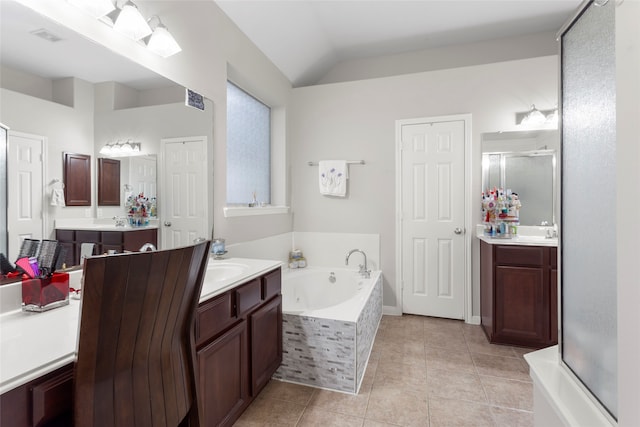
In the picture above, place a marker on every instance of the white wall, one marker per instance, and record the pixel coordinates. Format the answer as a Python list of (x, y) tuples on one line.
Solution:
[(210, 43), (66, 129), (356, 120), (441, 58)]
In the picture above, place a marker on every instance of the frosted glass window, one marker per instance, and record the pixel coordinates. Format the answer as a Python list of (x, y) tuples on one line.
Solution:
[(588, 285), (248, 148)]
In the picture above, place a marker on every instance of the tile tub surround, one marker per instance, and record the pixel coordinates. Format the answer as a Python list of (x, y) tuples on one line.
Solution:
[(327, 353), (422, 372)]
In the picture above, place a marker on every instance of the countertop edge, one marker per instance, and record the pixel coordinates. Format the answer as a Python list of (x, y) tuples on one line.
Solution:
[(104, 228), (552, 243), (18, 381)]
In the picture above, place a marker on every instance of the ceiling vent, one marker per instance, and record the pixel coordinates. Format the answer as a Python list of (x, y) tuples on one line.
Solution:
[(46, 34)]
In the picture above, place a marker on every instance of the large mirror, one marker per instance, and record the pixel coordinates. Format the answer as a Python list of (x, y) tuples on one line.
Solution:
[(81, 96), (525, 163)]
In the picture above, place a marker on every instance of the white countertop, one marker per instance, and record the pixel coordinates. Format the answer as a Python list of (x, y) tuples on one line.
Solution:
[(101, 227), (33, 344), (521, 241), (99, 224), (527, 236)]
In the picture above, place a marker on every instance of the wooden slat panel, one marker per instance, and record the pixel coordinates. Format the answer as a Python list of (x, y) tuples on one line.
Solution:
[(135, 359)]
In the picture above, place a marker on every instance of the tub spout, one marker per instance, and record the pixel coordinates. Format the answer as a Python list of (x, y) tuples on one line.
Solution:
[(363, 267)]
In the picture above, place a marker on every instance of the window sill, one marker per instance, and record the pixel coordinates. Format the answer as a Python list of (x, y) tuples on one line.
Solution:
[(234, 211)]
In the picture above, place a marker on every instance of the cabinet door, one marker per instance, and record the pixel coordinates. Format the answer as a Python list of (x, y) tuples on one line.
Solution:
[(266, 343), (521, 306), (108, 182), (44, 401), (224, 377), (486, 288), (77, 179), (133, 240)]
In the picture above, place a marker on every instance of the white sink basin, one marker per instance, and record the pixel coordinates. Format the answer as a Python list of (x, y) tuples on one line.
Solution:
[(220, 271)]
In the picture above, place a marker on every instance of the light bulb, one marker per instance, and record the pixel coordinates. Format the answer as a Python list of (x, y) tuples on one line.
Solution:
[(162, 42), (131, 23)]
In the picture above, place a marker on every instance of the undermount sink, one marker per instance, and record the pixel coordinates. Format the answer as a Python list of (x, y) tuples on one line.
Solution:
[(219, 271)]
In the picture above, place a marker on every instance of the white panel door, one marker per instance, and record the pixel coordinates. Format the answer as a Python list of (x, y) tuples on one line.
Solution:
[(184, 213), (142, 175), (24, 192), (433, 255)]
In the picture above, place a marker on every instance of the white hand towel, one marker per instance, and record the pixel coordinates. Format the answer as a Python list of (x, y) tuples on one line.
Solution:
[(57, 197), (333, 176)]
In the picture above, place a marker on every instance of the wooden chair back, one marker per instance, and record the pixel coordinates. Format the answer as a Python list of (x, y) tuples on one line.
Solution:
[(136, 363)]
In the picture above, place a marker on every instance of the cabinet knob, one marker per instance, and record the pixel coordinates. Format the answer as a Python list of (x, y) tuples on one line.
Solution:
[(167, 223), (458, 230)]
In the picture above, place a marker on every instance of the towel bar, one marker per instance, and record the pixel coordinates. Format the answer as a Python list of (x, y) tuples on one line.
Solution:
[(349, 162)]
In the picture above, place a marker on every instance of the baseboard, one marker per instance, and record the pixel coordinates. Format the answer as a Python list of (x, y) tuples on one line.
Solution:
[(474, 320), (391, 310)]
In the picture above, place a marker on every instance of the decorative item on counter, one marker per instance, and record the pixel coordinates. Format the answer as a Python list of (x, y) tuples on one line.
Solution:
[(42, 294), (500, 213), (138, 209), (217, 248), (296, 259), (42, 289)]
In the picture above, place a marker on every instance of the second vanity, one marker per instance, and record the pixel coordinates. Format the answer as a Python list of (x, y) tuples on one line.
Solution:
[(238, 346), (104, 235), (518, 290)]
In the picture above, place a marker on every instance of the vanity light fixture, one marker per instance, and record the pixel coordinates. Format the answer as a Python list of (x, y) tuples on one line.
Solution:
[(161, 41), (131, 23), (121, 149), (124, 17), (535, 118), (95, 8), (552, 118)]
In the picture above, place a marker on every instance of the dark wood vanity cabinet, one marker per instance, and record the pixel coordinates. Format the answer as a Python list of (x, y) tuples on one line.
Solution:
[(239, 347), (45, 401), (518, 294), (104, 241)]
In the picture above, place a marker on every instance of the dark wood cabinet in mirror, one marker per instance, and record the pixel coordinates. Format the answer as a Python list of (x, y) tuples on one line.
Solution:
[(77, 179), (108, 182)]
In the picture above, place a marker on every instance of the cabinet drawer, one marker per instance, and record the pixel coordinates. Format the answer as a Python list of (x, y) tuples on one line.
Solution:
[(65, 235), (112, 238), (52, 398), (83, 236), (553, 257), (248, 296), (214, 316), (271, 284), (520, 255)]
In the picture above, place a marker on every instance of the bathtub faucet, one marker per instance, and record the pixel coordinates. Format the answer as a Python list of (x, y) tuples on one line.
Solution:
[(363, 267)]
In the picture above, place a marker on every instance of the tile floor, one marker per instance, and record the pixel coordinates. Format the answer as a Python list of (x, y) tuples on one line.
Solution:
[(422, 372)]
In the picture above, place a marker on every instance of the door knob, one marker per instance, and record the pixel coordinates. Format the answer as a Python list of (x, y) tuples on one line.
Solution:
[(167, 224), (458, 230)]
